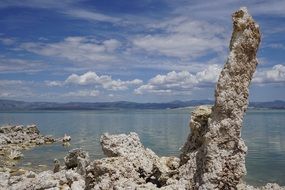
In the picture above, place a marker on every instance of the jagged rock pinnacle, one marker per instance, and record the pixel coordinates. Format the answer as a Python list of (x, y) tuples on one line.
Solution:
[(223, 149)]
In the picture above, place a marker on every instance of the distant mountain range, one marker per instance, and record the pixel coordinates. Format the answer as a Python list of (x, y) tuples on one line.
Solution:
[(12, 105)]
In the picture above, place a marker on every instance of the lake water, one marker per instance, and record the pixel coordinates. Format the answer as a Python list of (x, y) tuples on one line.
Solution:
[(164, 131)]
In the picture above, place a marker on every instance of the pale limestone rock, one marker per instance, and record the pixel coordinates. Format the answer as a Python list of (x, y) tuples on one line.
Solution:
[(76, 157), (272, 186), (64, 179), (269, 186), (215, 143), (13, 139), (56, 165), (66, 138), (4, 180), (129, 165), (30, 174), (120, 145), (78, 185), (198, 126), (15, 154), (64, 187)]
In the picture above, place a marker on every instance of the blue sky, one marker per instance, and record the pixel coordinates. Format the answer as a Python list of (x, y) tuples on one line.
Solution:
[(143, 50)]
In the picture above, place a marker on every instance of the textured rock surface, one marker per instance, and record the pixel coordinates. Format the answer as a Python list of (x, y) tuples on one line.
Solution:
[(141, 170), (129, 165), (198, 126), (65, 179), (223, 148), (192, 151), (13, 139)]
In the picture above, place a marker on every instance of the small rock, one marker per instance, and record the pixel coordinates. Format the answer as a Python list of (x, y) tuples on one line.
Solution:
[(15, 154), (49, 139), (66, 138), (78, 185), (72, 159), (56, 166), (30, 174)]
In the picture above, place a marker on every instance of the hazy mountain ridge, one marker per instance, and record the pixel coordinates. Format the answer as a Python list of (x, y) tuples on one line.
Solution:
[(11, 105)]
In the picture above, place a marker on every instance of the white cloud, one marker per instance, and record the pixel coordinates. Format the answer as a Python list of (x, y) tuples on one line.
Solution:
[(209, 75), (90, 15), (183, 38), (12, 65), (275, 46), (276, 74), (53, 83), (222, 9), (180, 81), (16, 89), (77, 48), (67, 7), (82, 93), (106, 81), (10, 82)]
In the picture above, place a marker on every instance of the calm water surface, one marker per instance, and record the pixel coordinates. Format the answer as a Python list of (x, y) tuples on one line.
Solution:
[(164, 131)]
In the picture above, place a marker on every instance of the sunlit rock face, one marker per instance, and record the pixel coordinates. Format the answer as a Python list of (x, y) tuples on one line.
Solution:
[(216, 137)]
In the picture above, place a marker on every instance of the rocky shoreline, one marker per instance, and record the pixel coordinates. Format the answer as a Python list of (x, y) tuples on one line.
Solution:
[(213, 157), (128, 165), (14, 139)]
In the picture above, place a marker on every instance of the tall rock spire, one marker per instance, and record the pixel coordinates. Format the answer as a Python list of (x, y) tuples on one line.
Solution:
[(223, 164)]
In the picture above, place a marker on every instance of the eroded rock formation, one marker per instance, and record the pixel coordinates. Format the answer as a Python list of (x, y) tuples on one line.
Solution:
[(216, 141), (223, 148), (129, 165)]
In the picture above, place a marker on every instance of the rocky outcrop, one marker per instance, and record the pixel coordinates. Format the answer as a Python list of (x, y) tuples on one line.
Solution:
[(67, 177), (64, 179), (215, 142), (129, 165), (223, 150), (192, 151), (13, 139)]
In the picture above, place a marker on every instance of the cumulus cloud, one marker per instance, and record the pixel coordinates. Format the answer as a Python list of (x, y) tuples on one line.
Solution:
[(77, 48), (276, 74), (183, 38), (184, 81), (106, 81), (179, 81)]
